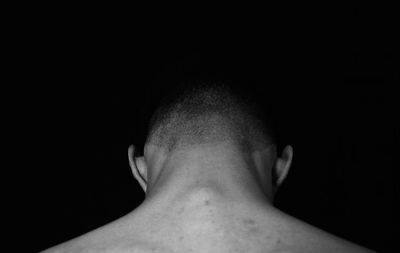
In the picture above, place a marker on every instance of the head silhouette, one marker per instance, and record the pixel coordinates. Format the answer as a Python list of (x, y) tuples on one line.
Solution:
[(220, 120)]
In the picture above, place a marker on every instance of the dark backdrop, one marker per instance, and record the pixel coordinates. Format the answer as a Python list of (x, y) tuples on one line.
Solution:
[(94, 81)]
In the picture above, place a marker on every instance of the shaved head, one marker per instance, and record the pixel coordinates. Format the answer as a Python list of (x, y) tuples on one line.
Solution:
[(200, 113)]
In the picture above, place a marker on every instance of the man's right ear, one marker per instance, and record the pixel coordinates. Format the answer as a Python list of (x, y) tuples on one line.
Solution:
[(138, 167)]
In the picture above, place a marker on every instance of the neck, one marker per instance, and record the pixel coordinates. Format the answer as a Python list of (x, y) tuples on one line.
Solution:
[(218, 174)]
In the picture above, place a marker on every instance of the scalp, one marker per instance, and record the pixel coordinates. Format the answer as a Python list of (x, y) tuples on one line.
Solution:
[(204, 113)]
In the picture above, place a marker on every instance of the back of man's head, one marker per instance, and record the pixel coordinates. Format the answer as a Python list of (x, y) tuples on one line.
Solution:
[(207, 113)]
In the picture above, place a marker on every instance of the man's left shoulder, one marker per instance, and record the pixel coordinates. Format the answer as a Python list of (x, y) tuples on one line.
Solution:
[(85, 243), (72, 246)]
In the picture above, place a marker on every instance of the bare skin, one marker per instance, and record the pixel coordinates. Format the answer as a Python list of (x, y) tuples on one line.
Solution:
[(208, 199)]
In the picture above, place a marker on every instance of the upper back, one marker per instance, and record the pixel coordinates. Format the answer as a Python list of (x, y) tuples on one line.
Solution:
[(208, 229), (236, 230)]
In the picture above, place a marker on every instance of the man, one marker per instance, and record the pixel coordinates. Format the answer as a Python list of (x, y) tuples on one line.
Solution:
[(210, 172)]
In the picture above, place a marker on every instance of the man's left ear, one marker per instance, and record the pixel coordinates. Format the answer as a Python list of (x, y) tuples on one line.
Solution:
[(139, 167)]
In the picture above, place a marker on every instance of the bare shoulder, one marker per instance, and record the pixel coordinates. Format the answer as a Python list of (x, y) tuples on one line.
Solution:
[(98, 240), (63, 248), (314, 239), (116, 237), (75, 246), (275, 232)]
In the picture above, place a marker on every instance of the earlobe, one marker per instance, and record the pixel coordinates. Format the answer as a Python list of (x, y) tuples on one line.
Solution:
[(138, 167), (283, 164)]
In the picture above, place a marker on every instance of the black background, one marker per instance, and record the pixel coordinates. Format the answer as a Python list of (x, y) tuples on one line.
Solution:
[(94, 76)]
